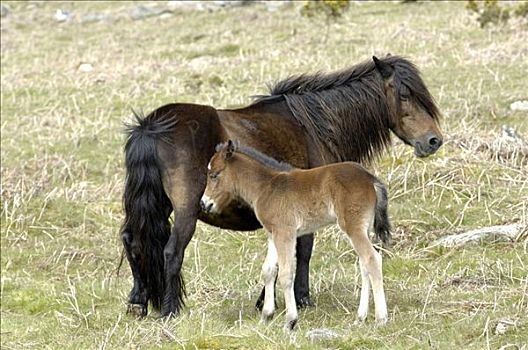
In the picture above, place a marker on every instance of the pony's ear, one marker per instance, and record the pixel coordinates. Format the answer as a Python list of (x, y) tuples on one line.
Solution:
[(230, 148), (384, 68)]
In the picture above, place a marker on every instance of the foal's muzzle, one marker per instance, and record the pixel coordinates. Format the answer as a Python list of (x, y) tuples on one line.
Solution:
[(206, 204)]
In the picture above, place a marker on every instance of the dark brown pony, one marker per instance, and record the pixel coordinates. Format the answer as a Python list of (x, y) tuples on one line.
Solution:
[(306, 121), (290, 203)]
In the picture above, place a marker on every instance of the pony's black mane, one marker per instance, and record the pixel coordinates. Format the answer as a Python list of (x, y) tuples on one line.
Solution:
[(261, 157), (346, 112)]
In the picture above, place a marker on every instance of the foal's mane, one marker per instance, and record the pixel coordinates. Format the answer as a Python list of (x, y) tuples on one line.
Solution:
[(260, 157), (346, 112)]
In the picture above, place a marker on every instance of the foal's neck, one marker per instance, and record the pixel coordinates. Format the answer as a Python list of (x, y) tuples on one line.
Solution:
[(252, 179)]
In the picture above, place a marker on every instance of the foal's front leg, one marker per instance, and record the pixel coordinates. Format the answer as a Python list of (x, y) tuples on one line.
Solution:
[(285, 244), (269, 275), (301, 286)]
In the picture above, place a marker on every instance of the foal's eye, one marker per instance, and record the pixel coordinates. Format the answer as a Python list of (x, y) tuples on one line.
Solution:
[(213, 176)]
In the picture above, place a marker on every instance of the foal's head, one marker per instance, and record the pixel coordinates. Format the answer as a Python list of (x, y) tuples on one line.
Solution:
[(414, 115), (220, 178)]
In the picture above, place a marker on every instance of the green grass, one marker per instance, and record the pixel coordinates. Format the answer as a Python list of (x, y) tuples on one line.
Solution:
[(62, 177)]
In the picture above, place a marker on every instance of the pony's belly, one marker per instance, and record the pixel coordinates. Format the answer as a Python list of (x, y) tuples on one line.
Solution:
[(232, 217)]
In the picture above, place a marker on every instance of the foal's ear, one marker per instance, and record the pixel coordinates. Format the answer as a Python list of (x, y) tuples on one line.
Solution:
[(230, 148), (384, 68)]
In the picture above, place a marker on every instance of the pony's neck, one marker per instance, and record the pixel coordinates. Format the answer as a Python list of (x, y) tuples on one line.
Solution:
[(252, 179)]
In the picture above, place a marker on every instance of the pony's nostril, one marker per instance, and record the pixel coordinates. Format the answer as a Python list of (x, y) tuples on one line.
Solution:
[(434, 141), (209, 207)]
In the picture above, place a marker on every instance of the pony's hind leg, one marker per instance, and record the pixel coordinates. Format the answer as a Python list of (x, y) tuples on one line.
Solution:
[(138, 297), (269, 275), (184, 183), (371, 263), (285, 245)]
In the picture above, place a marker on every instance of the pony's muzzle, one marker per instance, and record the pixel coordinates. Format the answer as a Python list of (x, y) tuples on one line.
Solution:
[(429, 145)]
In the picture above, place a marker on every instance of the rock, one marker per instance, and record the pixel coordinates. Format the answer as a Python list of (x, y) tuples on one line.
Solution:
[(321, 334), (500, 232), (62, 15), (85, 68), (519, 106), (94, 17), (142, 12), (505, 325), (4, 10)]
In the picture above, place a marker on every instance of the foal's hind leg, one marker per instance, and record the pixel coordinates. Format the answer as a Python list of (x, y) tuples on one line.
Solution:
[(365, 293), (370, 260)]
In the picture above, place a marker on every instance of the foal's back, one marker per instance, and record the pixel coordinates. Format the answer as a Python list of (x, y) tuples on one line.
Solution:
[(308, 199)]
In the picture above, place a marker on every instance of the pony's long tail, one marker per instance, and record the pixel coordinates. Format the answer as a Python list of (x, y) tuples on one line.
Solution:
[(147, 207), (382, 224)]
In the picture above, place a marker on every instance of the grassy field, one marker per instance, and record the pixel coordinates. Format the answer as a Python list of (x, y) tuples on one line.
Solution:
[(62, 176)]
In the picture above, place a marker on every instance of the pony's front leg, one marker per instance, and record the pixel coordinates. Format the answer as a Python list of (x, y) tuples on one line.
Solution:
[(302, 275), (269, 274), (285, 244)]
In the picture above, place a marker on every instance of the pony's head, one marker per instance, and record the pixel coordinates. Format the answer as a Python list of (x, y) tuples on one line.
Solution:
[(414, 115), (220, 188)]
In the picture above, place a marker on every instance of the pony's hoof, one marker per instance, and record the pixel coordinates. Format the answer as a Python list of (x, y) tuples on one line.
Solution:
[(304, 302), (259, 304), (168, 315), (137, 310)]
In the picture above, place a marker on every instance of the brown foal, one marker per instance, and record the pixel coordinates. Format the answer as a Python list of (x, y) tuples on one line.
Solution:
[(291, 202)]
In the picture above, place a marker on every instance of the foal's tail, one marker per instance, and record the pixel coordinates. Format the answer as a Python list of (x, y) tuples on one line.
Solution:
[(147, 207), (382, 224)]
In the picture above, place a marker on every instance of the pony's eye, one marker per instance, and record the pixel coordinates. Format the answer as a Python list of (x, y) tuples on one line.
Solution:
[(404, 93), (213, 176)]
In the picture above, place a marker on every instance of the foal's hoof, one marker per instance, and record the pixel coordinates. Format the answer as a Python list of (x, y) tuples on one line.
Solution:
[(382, 321), (304, 302), (137, 310), (290, 325)]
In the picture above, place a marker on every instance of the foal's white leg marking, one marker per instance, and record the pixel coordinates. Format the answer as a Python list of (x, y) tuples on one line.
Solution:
[(376, 278), (365, 293), (286, 254), (269, 273)]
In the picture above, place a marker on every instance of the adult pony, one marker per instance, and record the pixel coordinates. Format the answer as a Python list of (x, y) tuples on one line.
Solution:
[(306, 121)]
